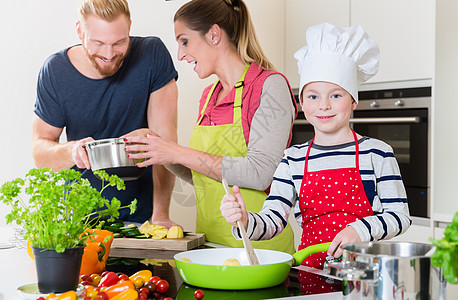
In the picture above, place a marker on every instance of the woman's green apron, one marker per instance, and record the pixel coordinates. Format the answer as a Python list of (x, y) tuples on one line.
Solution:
[(227, 140)]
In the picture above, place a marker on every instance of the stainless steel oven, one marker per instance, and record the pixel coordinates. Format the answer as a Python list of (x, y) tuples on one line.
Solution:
[(401, 118)]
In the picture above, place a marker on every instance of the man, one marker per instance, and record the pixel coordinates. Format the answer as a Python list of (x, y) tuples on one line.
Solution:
[(110, 85)]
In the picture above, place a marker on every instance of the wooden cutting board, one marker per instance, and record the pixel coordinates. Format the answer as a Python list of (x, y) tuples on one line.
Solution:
[(190, 241)]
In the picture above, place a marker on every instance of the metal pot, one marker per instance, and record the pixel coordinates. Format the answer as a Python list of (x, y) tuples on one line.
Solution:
[(388, 270), (109, 155)]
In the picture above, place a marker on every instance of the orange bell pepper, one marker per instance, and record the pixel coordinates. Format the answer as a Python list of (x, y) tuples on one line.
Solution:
[(118, 288), (70, 295), (128, 294), (96, 251)]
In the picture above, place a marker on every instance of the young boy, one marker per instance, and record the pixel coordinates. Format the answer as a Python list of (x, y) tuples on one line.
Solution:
[(348, 187)]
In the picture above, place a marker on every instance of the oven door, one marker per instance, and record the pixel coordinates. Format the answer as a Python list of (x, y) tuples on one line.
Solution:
[(406, 131), (302, 130)]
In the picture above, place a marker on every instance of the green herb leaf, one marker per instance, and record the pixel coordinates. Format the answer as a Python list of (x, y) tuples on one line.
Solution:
[(446, 254), (59, 206)]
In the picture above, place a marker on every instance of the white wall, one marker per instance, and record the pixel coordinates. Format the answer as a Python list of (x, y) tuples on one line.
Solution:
[(33, 30)]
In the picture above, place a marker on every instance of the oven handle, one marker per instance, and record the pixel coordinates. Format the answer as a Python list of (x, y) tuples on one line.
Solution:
[(372, 120)]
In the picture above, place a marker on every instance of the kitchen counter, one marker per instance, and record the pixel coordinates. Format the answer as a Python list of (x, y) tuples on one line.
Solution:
[(18, 269)]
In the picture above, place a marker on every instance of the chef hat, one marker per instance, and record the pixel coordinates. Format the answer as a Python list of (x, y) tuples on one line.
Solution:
[(343, 56)]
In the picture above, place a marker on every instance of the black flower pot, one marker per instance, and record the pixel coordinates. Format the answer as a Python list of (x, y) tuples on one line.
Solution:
[(58, 272)]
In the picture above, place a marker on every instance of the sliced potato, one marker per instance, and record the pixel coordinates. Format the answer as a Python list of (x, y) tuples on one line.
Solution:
[(231, 262), (175, 232), (159, 234)]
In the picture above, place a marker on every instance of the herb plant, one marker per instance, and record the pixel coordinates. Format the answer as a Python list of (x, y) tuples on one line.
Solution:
[(61, 206), (446, 254)]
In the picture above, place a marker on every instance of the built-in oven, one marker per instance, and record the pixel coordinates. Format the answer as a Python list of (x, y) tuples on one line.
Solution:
[(401, 118)]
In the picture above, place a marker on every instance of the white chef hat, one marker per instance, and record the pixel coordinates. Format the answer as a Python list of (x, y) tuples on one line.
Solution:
[(343, 56)]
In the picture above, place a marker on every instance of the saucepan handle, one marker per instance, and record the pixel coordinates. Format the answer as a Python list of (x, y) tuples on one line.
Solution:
[(353, 271), (300, 255)]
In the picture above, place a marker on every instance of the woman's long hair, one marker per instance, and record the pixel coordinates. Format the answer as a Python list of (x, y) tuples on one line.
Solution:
[(233, 17)]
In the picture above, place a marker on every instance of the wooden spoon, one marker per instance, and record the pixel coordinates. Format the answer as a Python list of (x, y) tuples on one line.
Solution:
[(252, 258)]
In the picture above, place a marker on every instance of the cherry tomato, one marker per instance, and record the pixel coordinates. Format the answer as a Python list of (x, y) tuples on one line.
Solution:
[(104, 273), (40, 298), (138, 282), (95, 279), (103, 296), (151, 286), (86, 283), (85, 298), (142, 296), (155, 279), (91, 293), (123, 277), (162, 286), (144, 290), (168, 298), (85, 277), (199, 294)]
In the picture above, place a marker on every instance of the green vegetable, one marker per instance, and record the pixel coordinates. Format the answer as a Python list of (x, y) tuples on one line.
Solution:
[(60, 206), (446, 254)]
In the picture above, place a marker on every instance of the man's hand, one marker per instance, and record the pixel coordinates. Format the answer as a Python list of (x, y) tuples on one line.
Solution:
[(346, 236), (79, 153)]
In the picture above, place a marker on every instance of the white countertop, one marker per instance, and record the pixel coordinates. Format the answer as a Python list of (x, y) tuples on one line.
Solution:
[(18, 269)]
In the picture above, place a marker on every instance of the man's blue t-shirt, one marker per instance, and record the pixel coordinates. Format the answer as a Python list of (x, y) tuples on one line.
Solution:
[(108, 107)]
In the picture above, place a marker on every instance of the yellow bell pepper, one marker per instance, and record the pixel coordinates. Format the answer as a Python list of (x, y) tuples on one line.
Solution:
[(70, 295), (129, 294), (143, 274)]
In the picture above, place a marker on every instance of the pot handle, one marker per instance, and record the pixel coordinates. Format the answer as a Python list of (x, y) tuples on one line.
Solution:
[(300, 255), (353, 271)]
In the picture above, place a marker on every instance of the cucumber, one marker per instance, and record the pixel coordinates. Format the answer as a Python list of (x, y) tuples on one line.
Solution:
[(141, 236), (118, 235)]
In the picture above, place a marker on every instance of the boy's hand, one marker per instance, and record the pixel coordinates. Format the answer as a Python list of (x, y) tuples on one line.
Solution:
[(233, 208), (346, 236)]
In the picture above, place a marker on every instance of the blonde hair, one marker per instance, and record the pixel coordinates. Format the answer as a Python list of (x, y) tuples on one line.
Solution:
[(233, 17), (108, 10)]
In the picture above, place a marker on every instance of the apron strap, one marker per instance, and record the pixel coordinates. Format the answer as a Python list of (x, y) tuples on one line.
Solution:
[(356, 152), (238, 97)]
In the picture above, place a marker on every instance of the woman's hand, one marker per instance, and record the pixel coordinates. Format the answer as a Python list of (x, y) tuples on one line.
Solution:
[(233, 208), (155, 150), (346, 236), (142, 132)]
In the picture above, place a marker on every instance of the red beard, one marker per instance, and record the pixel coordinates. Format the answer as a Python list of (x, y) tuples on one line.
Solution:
[(109, 70)]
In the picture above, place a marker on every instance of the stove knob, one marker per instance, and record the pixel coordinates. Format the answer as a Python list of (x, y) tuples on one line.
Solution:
[(399, 103), (374, 104)]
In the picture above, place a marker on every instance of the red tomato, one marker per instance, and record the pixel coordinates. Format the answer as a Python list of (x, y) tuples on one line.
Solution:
[(123, 277), (86, 282), (85, 298), (168, 298), (85, 277), (40, 298), (103, 295), (142, 296), (162, 286), (144, 290), (155, 279), (199, 294)]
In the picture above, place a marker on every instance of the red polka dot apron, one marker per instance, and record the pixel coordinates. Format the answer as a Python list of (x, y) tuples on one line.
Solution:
[(329, 200)]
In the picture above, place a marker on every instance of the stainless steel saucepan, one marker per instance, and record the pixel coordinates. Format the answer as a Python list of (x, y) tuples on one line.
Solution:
[(388, 270), (109, 155)]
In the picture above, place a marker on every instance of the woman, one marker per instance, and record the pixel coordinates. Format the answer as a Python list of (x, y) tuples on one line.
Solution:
[(245, 118)]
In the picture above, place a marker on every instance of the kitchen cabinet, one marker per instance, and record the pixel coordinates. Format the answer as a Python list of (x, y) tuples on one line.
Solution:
[(444, 143), (404, 31), (300, 15)]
